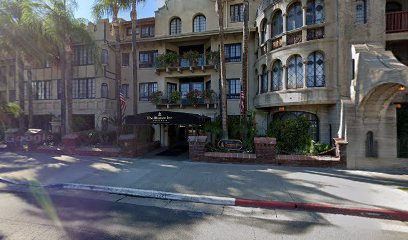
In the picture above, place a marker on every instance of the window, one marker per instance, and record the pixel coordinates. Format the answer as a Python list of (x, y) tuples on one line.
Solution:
[(312, 118), (208, 85), (105, 57), (233, 52), (277, 76), (237, 13), (41, 90), (264, 80), (125, 59), (175, 26), (315, 70), (199, 24), (146, 90), (277, 24), (234, 88), (125, 90), (129, 31), (315, 12), (294, 18), (263, 32), (147, 59), (104, 90), (83, 55), (3, 73), (186, 87), (361, 11), (171, 87), (83, 88), (295, 72), (12, 71), (147, 31), (12, 95)]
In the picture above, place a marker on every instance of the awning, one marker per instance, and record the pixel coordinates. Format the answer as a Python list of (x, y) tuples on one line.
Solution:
[(166, 118)]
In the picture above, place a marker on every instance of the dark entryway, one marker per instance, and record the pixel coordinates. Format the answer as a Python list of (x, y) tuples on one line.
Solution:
[(83, 122), (402, 130)]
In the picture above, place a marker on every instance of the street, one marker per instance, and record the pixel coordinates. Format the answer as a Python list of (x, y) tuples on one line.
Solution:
[(78, 215)]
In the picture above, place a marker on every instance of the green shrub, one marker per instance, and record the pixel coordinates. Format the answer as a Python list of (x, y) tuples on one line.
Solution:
[(318, 148), (292, 135)]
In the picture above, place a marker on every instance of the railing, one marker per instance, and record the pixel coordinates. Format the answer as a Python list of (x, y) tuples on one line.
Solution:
[(315, 33), (277, 43), (186, 102), (265, 4), (185, 63), (397, 22), (293, 38)]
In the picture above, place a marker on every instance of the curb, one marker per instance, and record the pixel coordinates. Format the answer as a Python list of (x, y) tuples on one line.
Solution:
[(314, 207)]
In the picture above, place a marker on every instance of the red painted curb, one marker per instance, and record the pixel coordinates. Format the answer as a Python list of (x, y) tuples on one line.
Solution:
[(326, 208)]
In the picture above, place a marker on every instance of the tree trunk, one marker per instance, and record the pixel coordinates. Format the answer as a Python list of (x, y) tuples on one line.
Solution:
[(118, 70), (62, 91), (68, 82), (134, 56), (30, 97), (21, 100), (220, 11), (244, 81)]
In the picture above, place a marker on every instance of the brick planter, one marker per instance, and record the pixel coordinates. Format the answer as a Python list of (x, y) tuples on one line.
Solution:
[(129, 146), (265, 149), (341, 150), (70, 142), (196, 147)]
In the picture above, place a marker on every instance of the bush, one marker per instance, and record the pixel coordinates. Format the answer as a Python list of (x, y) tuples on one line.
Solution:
[(319, 148), (292, 135)]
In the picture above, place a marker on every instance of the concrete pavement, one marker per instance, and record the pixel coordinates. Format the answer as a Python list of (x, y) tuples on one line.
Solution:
[(345, 188)]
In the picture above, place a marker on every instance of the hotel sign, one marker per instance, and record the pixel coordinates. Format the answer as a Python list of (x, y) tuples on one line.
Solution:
[(159, 118)]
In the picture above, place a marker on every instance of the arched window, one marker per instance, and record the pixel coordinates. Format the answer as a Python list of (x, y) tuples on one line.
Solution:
[(175, 26), (199, 24), (294, 18), (393, 7), (104, 90), (295, 72), (315, 12), (315, 70), (361, 11), (277, 24), (277, 76), (312, 118), (264, 80), (263, 32)]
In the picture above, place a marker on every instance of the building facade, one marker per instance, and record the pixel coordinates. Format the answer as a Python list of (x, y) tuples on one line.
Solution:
[(340, 64)]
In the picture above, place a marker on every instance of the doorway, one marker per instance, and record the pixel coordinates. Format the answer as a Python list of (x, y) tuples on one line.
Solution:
[(402, 130)]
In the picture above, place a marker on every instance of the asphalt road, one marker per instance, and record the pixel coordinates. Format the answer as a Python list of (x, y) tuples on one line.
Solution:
[(37, 214)]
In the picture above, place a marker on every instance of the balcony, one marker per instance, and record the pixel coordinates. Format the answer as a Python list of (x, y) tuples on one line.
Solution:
[(397, 22), (200, 103), (180, 64)]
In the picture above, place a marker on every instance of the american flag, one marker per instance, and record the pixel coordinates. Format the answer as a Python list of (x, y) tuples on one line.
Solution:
[(122, 101)]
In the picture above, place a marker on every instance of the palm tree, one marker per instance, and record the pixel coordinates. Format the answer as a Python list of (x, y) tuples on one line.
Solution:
[(245, 60), (20, 25), (111, 8), (62, 30), (220, 11)]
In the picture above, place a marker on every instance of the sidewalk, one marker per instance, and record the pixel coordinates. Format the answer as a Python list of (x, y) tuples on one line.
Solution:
[(345, 188)]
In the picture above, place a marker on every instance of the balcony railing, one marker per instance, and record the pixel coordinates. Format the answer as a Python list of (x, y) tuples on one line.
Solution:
[(293, 38), (185, 63), (397, 22), (315, 33)]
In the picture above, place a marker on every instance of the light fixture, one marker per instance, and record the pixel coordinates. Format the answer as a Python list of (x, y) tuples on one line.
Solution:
[(398, 106), (402, 88), (281, 108)]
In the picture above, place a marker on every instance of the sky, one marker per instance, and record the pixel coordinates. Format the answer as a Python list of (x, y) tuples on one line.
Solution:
[(143, 11)]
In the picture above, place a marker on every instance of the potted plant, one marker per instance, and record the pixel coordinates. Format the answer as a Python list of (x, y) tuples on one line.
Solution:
[(156, 97), (193, 97), (175, 97), (208, 95), (192, 57), (213, 57), (168, 59)]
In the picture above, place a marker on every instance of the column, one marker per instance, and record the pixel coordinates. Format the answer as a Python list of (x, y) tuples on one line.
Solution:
[(304, 73), (304, 30), (284, 73), (284, 29)]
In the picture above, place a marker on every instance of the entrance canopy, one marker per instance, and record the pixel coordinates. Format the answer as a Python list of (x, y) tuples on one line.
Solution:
[(166, 118)]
